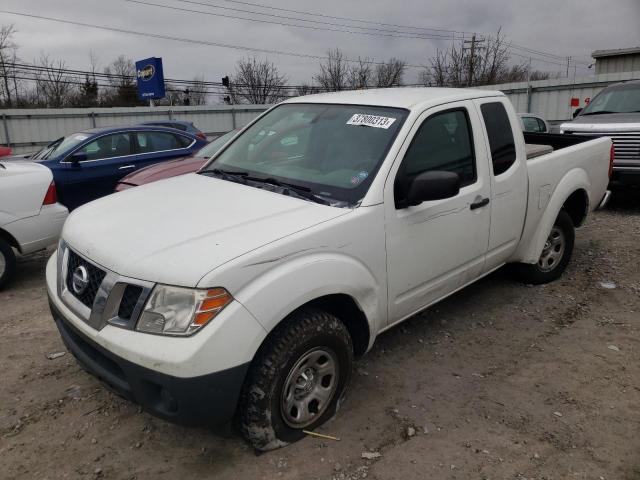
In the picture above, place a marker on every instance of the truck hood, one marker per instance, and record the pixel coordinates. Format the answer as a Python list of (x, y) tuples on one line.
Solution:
[(159, 171), (604, 122), (177, 230)]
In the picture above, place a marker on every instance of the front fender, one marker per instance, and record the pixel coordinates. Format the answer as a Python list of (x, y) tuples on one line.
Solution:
[(278, 291), (537, 229)]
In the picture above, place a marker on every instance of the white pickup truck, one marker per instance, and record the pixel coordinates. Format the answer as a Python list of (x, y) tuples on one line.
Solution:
[(249, 287), (30, 216)]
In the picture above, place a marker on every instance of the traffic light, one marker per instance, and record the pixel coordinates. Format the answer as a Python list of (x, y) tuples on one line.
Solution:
[(225, 81)]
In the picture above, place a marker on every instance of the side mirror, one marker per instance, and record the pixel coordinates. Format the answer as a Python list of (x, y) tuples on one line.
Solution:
[(434, 185), (78, 157), (577, 112)]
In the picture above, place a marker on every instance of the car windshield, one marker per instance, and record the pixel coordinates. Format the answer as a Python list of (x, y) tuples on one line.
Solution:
[(59, 146), (328, 151), (619, 99), (210, 149)]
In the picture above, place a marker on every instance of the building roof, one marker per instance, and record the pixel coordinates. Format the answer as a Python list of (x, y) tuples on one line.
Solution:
[(616, 52), (401, 97)]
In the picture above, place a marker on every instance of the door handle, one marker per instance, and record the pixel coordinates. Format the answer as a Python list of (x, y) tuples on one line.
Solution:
[(479, 204), (126, 167)]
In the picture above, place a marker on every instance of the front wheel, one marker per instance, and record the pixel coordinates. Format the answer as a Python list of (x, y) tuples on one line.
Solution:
[(297, 379), (555, 255)]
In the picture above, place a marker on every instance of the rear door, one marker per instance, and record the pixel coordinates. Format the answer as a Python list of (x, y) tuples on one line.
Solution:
[(159, 146), (509, 182), (436, 247), (107, 160)]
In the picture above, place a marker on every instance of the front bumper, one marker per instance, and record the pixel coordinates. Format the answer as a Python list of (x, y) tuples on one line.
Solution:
[(206, 400)]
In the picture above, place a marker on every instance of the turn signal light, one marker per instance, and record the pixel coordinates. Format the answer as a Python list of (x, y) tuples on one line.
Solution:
[(211, 305)]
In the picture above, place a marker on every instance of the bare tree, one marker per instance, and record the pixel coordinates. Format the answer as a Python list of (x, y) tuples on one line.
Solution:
[(122, 78), (198, 91), (306, 89), (8, 58), (257, 82), (360, 74), (479, 61), (390, 73), (334, 73), (55, 87)]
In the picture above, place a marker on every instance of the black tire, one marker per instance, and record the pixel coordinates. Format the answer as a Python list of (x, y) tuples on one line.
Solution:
[(262, 404), (537, 273), (8, 260)]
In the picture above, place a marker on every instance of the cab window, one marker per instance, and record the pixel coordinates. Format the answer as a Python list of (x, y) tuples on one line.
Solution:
[(503, 147), (444, 143)]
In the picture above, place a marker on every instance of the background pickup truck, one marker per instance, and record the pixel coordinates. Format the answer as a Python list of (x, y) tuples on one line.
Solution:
[(249, 287), (614, 113)]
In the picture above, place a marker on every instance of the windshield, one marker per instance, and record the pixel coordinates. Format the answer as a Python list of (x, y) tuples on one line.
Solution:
[(59, 146), (210, 149), (331, 151), (618, 99)]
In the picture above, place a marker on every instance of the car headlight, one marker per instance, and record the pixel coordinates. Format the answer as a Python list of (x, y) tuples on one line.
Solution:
[(181, 311)]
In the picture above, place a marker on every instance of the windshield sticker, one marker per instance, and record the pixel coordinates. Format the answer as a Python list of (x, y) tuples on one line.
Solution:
[(80, 137), (371, 121)]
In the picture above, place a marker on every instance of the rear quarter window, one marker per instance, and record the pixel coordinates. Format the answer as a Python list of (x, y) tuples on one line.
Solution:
[(501, 142)]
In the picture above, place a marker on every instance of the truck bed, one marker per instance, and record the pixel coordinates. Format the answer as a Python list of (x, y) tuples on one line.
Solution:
[(575, 160)]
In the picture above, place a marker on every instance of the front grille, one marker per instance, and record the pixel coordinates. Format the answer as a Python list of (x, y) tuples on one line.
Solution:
[(95, 277), (625, 144), (129, 300)]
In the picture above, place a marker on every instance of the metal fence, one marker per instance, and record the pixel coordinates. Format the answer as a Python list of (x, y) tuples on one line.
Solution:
[(26, 130)]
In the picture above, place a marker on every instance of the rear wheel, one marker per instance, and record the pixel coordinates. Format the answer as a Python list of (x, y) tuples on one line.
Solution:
[(7, 263), (555, 255), (297, 380)]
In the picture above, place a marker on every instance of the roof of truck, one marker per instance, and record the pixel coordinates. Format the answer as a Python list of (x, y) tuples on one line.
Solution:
[(400, 97)]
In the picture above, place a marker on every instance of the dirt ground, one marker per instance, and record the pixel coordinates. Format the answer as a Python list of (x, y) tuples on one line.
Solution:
[(501, 381)]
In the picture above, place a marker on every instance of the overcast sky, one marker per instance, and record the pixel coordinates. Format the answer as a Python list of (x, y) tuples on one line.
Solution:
[(561, 27)]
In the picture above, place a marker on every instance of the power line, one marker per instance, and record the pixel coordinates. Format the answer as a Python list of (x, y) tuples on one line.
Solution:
[(253, 12), (274, 22), (214, 44), (510, 47), (189, 40), (451, 33)]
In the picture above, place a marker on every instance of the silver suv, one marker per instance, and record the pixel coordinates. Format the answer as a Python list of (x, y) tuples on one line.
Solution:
[(615, 113)]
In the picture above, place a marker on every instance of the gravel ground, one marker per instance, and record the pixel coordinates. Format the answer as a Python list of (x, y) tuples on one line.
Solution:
[(501, 381)]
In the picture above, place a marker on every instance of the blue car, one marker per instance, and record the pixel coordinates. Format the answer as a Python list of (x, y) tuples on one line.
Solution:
[(88, 164)]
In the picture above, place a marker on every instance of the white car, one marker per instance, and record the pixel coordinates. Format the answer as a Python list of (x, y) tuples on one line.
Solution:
[(249, 287), (30, 216)]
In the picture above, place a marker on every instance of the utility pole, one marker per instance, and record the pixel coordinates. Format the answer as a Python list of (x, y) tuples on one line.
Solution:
[(568, 63), (472, 55)]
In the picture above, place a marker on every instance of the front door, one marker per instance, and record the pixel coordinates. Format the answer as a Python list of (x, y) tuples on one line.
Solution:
[(436, 247), (108, 158)]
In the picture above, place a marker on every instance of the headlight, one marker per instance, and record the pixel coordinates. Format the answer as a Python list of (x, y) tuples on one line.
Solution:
[(181, 311)]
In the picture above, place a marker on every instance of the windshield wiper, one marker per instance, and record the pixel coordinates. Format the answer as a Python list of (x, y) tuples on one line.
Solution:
[(600, 112), (230, 175), (287, 188)]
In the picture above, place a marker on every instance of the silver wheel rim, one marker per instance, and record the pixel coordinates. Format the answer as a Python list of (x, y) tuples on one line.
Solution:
[(3, 264), (309, 387), (553, 250)]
